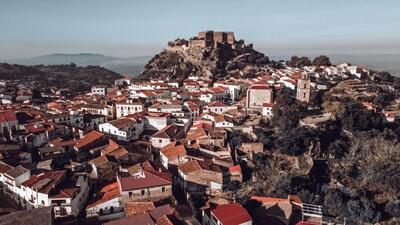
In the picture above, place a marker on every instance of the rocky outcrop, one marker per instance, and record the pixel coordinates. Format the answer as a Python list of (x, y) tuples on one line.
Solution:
[(211, 63)]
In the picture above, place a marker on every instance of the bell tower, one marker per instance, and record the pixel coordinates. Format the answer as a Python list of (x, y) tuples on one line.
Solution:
[(303, 89)]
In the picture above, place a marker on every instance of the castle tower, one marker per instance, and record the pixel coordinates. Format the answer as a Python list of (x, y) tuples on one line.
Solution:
[(303, 89)]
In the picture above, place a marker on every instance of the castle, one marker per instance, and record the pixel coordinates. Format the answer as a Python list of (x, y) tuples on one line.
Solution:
[(208, 39)]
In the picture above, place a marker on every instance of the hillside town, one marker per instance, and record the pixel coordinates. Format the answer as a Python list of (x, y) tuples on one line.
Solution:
[(186, 149)]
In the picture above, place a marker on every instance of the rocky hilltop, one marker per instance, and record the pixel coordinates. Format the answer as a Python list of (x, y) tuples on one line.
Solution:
[(75, 78), (212, 55)]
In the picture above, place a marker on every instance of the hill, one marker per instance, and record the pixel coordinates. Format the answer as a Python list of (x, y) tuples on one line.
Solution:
[(81, 59), (75, 78), (129, 66), (204, 56)]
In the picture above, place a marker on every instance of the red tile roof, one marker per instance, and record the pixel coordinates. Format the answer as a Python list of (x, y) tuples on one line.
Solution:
[(4, 167), (139, 219), (45, 182), (268, 105), (173, 151), (234, 168), (217, 104), (260, 87), (35, 129), (306, 223), (231, 214), (140, 182), (190, 167), (7, 116), (88, 138), (161, 211), (66, 193)]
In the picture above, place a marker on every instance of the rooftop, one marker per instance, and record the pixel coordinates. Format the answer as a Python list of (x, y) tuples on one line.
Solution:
[(140, 182), (231, 214)]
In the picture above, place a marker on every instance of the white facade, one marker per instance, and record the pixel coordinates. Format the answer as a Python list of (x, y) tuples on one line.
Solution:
[(111, 209), (129, 132), (99, 90), (267, 111), (160, 142), (130, 106)]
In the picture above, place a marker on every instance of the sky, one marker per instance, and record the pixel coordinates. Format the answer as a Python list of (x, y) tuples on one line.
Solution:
[(125, 28)]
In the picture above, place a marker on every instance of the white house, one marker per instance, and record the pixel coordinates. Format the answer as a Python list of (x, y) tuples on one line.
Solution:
[(124, 129), (99, 109), (129, 106), (108, 205), (166, 135), (99, 90), (267, 109), (47, 189), (227, 214)]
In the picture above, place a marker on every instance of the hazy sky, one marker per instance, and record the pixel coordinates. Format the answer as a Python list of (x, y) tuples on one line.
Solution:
[(143, 27)]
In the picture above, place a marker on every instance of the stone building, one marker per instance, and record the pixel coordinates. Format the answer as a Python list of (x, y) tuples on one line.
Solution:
[(257, 95), (212, 39), (303, 89)]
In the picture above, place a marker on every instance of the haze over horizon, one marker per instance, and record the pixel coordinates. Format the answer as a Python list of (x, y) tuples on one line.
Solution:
[(138, 28)]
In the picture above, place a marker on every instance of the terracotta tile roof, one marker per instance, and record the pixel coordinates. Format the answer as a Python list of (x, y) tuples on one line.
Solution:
[(102, 160), (16, 171), (135, 101), (234, 168), (140, 182), (4, 167), (112, 146), (160, 211), (58, 142), (140, 219), (269, 105), (216, 90), (147, 166), (66, 193), (119, 153), (88, 138), (190, 167), (122, 123), (173, 152), (134, 208), (168, 132), (231, 214), (108, 192), (46, 182), (217, 104), (7, 116), (35, 128), (163, 221), (306, 223), (260, 87)]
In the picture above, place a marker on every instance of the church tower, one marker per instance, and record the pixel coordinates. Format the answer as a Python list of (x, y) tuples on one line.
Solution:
[(303, 89)]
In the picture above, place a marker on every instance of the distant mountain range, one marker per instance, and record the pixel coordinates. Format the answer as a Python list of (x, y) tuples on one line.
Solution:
[(126, 66), (134, 65)]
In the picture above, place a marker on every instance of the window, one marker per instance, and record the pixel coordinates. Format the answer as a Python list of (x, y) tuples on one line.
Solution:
[(111, 209), (101, 211), (160, 141), (42, 202), (163, 189), (142, 192), (130, 194)]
